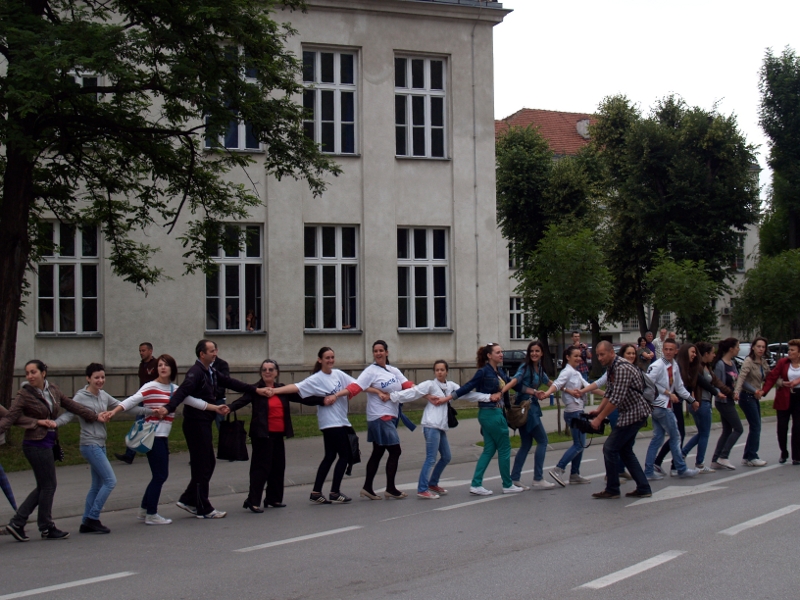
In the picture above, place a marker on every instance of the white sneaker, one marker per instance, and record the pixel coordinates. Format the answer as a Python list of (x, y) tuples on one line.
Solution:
[(480, 491), (522, 485), (704, 470), (557, 473), (725, 464), (156, 519), (142, 514), (514, 489), (755, 462), (673, 472), (576, 479), (214, 514), (543, 485)]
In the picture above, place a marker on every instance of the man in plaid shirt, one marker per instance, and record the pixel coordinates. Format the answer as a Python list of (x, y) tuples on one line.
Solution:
[(624, 392)]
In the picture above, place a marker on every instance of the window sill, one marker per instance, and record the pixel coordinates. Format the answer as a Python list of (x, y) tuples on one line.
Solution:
[(416, 331), (335, 155), (96, 335), (233, 332), (237, 150), (333, 332), (436, 158)]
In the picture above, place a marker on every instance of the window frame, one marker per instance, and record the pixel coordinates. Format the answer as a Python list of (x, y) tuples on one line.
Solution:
[(517, 318), (78, 261), (242, 261), (317, 87), (338, 261), (410, 264), (427, 93)]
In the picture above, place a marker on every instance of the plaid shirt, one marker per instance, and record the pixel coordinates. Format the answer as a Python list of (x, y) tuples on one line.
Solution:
[(624, 390), (582, 368)]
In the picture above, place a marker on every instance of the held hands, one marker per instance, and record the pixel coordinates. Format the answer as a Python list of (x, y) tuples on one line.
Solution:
[(573, 393), (759, 394), (222, 409), (331, 399), (495, 397), (49, 423), (384, 396), (160, 412), (105, 416), (266, 392)]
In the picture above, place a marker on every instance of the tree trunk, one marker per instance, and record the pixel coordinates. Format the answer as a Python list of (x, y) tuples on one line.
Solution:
[(14, 251), (547, 360), (654, 319), (642, 317), (597, 368)]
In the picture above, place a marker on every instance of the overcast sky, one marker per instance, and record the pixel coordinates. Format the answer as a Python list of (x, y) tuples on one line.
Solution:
[(569, 55)]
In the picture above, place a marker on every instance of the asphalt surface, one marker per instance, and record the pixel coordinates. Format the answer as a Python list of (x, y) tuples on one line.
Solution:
[(538, 544)]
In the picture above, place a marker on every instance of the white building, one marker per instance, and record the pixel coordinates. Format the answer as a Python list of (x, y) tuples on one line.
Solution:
[(401, 247)]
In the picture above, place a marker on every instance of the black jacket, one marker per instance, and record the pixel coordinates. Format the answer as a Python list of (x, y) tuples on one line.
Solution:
[(259, 426), (198, 384)]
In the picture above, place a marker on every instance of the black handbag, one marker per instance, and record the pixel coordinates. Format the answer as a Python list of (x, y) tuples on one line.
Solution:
[(232, 440), (58, 452), (452, 421), (355, 451)]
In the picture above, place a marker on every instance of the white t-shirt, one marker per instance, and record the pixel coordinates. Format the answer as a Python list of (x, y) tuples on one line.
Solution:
[(794, 374), (323, 384), (387, 380), (435, 416), (572, 379)]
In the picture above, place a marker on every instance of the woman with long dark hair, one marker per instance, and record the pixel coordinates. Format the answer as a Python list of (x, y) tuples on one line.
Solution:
[(35, 408), (490, 379), (748, 392), (526, 382), (332, 384), (726, 371)]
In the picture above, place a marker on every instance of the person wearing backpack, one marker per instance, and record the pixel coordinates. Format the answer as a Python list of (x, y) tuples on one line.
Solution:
[(666, 375)]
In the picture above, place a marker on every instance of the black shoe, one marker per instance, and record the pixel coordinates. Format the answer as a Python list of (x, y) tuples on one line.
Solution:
[(318, 498), (275, 504), (339, 498), (251, 508), (124, 458), (17, 532), (604, 495), (638, 494), (796, 462), (54, 533), (93, 526)]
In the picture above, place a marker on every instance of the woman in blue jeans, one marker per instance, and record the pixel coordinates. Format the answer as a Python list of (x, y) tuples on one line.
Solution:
[(530, 375), (93, 445)]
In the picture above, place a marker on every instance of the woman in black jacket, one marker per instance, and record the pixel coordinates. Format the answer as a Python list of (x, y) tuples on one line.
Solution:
[(271, 423)]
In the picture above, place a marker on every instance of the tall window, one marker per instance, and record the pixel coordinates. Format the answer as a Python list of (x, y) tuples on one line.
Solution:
[(517, 319), (234, 292), (86, 80), (419, 107), (68, 281), (739, 260), (513, 263), (422, 278), (239, 135), (331, 277), (631, 324), (330, 100)]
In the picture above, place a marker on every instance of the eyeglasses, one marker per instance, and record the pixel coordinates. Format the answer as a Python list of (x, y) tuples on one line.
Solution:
[(268, 370)]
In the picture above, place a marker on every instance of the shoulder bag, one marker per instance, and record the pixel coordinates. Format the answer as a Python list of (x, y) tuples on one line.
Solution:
[(142, 435), (233, 440)]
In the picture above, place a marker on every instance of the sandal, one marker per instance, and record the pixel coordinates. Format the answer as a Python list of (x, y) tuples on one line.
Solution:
[(370, 495), (398, 496)]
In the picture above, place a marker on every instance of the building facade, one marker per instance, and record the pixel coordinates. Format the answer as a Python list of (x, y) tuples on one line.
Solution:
[(401, 246)]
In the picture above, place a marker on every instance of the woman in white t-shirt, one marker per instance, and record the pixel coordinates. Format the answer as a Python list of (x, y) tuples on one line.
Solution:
[(332, 418), (379, 380)]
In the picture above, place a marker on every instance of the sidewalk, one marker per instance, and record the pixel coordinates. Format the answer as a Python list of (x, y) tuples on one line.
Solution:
[(303, 456)]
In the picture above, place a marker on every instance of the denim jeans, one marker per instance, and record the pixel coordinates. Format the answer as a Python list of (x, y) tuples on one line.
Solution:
[(435, 441), (731, 429), (612, 419), (664, 422), (158, 458), (702, 418), (619, 446), (677, 408), (103, 480), (495, 439), (44, 472), (526, 443), (575, 452), (752, 411)]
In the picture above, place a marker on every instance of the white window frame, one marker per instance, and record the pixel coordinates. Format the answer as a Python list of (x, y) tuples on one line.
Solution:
[(242, 261), (241, 129), (518, 319), (338, 261), (740, 260), (77, 262), (631, 324), (427, 93), (429, 263)]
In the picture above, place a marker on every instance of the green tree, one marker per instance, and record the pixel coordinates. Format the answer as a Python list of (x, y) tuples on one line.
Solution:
[(106, 108), (769, 297), (679, 179), (686, 289)]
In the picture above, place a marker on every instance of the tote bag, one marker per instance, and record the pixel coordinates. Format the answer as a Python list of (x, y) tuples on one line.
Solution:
[(142, 434), (232, 440)]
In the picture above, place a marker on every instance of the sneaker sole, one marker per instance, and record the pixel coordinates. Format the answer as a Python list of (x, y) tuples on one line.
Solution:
[(187, 508), (16, 536), (557, 479), (165, 523)]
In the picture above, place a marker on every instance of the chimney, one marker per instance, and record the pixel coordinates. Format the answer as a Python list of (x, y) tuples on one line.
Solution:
[(583, 128)]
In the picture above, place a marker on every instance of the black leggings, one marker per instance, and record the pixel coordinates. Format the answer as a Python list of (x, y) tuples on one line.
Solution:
[(677, 408), (336, 444), (391, 466)]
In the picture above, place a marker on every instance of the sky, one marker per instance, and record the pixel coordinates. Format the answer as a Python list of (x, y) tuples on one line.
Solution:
[(571, 54)]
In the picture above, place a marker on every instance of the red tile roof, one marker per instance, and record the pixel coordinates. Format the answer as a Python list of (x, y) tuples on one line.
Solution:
[(559, 128)]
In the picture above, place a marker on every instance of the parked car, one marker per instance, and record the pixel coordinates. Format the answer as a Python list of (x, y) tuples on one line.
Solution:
[(744, 350), (778, 350), (512, 359)]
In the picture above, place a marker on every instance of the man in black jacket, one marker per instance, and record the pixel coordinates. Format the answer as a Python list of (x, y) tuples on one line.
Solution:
[(202, 381)]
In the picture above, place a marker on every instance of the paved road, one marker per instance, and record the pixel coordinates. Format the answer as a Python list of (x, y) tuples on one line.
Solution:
[(530, 545)]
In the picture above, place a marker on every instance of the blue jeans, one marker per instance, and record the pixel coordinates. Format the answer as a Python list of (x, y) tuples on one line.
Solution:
[(575, 452), (435, 441), (103, 480), (158, 458), (619, 447), (526, 442), (752, 411), (612, 419), (702, 418), (664, 421)]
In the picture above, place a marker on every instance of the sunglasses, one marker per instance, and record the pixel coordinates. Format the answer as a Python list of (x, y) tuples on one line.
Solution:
[(268, 370)]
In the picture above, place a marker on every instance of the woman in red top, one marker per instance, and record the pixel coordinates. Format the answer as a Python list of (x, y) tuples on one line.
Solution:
[(787, 399), (271, 423)]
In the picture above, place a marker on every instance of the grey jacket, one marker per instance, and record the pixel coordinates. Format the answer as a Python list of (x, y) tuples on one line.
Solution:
[(94, 434)]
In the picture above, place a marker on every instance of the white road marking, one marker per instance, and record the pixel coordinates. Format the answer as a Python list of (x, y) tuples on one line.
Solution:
[(301, 538), (64, 586), (760, 520), (482, 500), (631, 571)]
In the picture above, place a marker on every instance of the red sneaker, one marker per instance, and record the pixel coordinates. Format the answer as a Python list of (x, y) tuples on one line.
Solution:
[(437, 490), (427, 495)]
